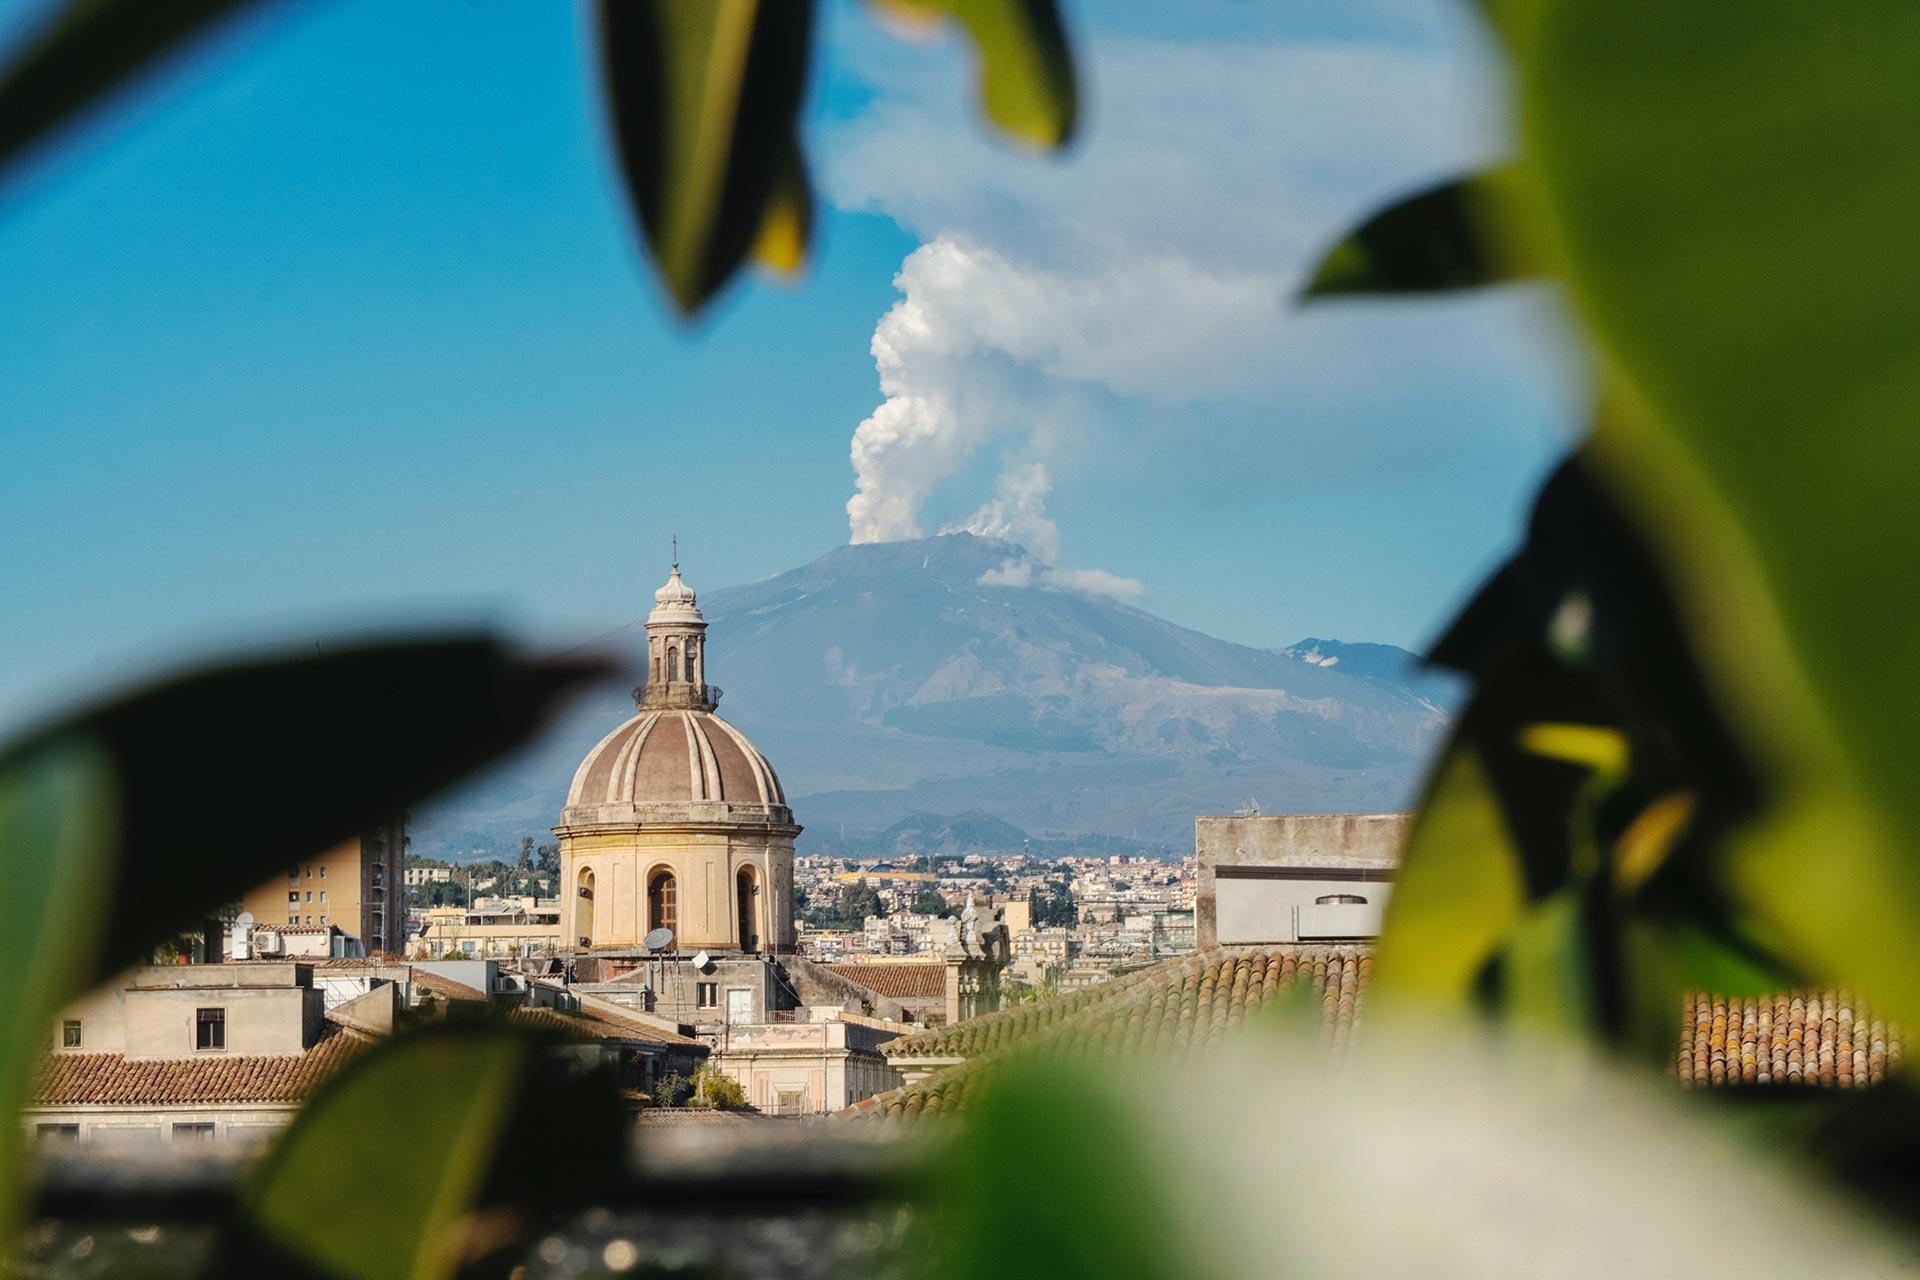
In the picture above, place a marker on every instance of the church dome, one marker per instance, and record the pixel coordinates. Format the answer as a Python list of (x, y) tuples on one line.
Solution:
[(675, 757), (674, 821)]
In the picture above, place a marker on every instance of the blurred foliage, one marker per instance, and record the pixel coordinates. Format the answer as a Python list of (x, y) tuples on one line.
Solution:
[(1027, 80), (1580, 810), (1432, 241), (705, 100), (440, 1149), (105, 814), (1713, 580), (1046, 1182), (1436, 1153), (86, 50), (1685, 763)]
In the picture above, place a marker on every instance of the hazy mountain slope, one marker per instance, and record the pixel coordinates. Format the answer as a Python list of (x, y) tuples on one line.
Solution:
[(888, 680)]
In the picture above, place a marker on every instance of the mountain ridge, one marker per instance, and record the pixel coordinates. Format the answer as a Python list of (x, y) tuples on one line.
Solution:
[(951, 676)]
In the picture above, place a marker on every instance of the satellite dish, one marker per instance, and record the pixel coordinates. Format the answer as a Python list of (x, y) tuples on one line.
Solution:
[(700, 960), (658, 940), (244, 920)]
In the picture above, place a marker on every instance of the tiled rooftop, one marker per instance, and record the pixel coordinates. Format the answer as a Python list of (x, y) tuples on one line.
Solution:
[(1175, 1010), (446, 988), (111, 1079), (1825, 1038), (598, 1025), (1821, 1038), (909, 981)]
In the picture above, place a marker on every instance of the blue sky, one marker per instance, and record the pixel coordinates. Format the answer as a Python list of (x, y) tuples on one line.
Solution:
[(344, 324)]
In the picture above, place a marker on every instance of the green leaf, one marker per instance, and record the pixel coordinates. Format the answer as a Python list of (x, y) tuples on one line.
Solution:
[(1437, 240), (1046, 1179), (704, 99), (1027, 82), (1667, 959), (1458, 894), (229, 775), (377, 1177), (1733, 190), (58, 822), (87, 51), (1548, 983)]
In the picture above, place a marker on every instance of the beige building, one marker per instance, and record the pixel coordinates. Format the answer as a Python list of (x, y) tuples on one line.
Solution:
[(357, 886), (675, 821), (808, 1067), (494, 929), (1268, 878), (225, 1054), (217, 1054)]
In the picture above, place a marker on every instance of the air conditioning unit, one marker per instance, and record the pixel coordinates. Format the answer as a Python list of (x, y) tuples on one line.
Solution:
[(266, 942)]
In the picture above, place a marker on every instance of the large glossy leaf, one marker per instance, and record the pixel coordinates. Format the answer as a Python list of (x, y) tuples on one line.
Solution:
[(58, 825), (704, 99), (221, 778), (87, 50), (1046, 1182), (1734, 189), (1569, 865), (429, 1152), (1459, 892), (1027, 82), (1437, 240), (124, 823)]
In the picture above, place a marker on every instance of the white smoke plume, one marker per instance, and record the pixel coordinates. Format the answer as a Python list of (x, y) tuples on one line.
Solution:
[(1154, 268), (938, 410), (1161, 326), (1017, 512)]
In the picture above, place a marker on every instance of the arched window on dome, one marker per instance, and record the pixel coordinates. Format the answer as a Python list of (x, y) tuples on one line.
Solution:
[(583, 908), (673, 662), (747, 890), (663, 904), (689, 662)]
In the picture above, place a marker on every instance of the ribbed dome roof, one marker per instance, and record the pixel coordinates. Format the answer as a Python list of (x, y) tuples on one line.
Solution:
[(675, 757)]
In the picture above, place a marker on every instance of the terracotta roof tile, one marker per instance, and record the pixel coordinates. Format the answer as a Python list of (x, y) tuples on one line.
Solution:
[(79, 1079), (1825, 1038), (446, 988), (1181, 1007), (921, 981), (600, 1026), (1176, 1010)]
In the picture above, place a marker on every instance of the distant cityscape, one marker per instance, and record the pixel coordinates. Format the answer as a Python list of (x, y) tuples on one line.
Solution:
[(1072, 922), (670, 922)]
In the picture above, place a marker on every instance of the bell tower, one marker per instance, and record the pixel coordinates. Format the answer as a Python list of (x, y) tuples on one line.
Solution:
[(676, 650)]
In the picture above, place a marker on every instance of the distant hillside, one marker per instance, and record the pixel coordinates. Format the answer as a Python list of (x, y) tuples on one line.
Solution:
[(892, 681), (957, 835)]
